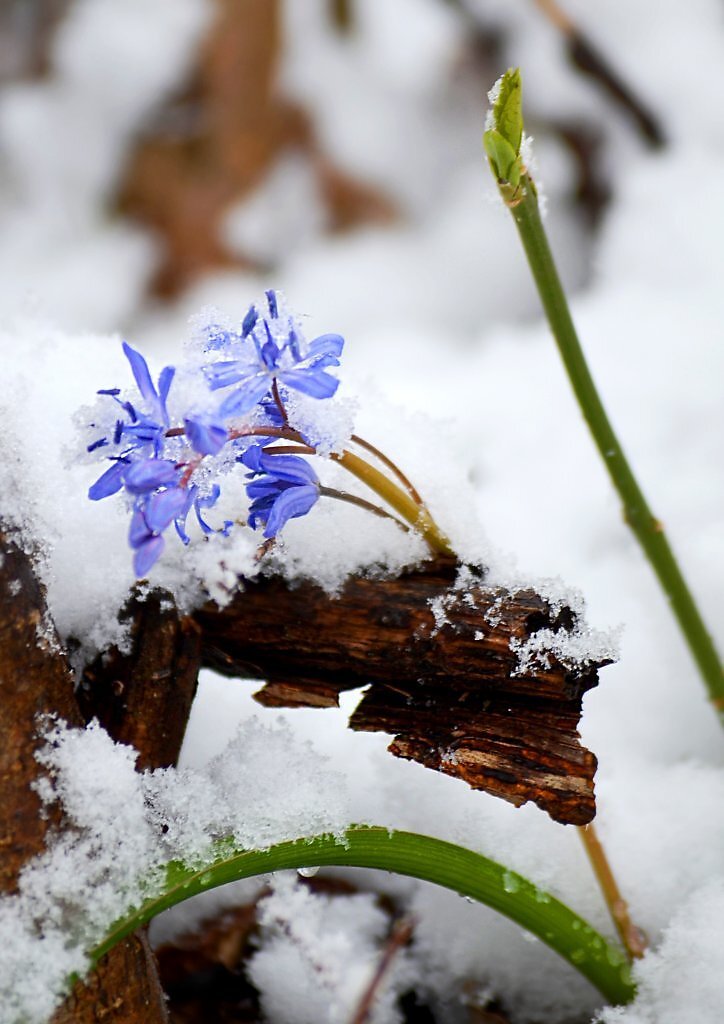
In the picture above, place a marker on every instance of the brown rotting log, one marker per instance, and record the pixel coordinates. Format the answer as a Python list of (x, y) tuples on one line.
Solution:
[(448, 689), (35, 682)]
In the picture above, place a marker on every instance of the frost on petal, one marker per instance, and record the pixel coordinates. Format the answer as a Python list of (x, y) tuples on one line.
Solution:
[(148, 474), (207, 437)]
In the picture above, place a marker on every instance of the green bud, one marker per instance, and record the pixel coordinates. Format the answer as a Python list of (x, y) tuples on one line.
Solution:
[(503, 158), (503, 137)]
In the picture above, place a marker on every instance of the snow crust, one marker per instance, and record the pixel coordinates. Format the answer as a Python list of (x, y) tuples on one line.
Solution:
[(454, 375), (122, 827)]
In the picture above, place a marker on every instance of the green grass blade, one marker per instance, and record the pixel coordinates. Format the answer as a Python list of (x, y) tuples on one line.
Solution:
[(405, 853)]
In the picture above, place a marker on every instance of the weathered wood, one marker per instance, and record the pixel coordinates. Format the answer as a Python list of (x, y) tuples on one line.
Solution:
[(144, 698), (123, 989), (35, 682), (442, 676)]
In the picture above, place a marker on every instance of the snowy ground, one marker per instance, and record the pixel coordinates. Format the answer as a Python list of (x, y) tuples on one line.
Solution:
[(456, 377)]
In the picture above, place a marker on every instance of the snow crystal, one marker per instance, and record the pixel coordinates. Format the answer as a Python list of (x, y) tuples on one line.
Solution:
[(579, 646), (326, 950), (122, 827), (681, 982)]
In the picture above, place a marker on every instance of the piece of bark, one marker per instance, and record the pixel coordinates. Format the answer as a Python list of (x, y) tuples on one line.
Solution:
[(35, 682), (123, 989), (441, 674), (144, 698)]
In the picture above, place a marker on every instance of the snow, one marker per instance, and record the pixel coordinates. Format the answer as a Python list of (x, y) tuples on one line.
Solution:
[(450, 370), (122, 827), (327, 950)]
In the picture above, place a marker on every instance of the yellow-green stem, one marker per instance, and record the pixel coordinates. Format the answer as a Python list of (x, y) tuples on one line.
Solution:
[(417, 515), (632, 937)]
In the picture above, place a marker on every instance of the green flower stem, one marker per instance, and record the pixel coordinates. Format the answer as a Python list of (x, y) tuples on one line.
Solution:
[(405, 853), (402, 502), (523, 204)]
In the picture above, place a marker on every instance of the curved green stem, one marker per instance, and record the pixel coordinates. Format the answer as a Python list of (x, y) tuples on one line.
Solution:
[(523, 204), (467, 873)]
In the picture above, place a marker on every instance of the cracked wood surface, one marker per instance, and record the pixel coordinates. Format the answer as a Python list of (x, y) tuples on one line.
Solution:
[(444, 682), (35, 681)]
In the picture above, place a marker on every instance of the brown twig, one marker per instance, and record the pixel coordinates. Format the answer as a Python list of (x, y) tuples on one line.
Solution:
[(354, 499), (412, 490), (589, 59), (399, 936), (632, 937)]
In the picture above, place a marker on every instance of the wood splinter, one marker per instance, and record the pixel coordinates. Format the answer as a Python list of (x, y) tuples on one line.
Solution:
[(440, 673)]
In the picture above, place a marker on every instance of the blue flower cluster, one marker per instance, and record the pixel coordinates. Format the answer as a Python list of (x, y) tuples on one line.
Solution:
[(156, 461)]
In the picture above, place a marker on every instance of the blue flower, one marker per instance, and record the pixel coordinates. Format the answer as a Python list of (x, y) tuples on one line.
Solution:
[(270, 347), (206, 435), (152, 515), (282, 487), (144, 434)]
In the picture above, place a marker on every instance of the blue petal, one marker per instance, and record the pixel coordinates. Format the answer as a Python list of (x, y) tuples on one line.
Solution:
[(294, 348), (271, 297), (252, 457), (138, 532), (147, 555), (223, 374), (292, 503), (109, 483), (180, 520), (164, 384), (140, 372), (291, 468), (206, 437), (245, 398), (210, 499), (260, 509), (264, 487), (163, 507), (148, 474), (315, 383), (327, 344)]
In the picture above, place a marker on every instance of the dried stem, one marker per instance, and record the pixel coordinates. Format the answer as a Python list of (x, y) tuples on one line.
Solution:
[(399, 936), (354, 499), (414, 494), (632, 937)]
